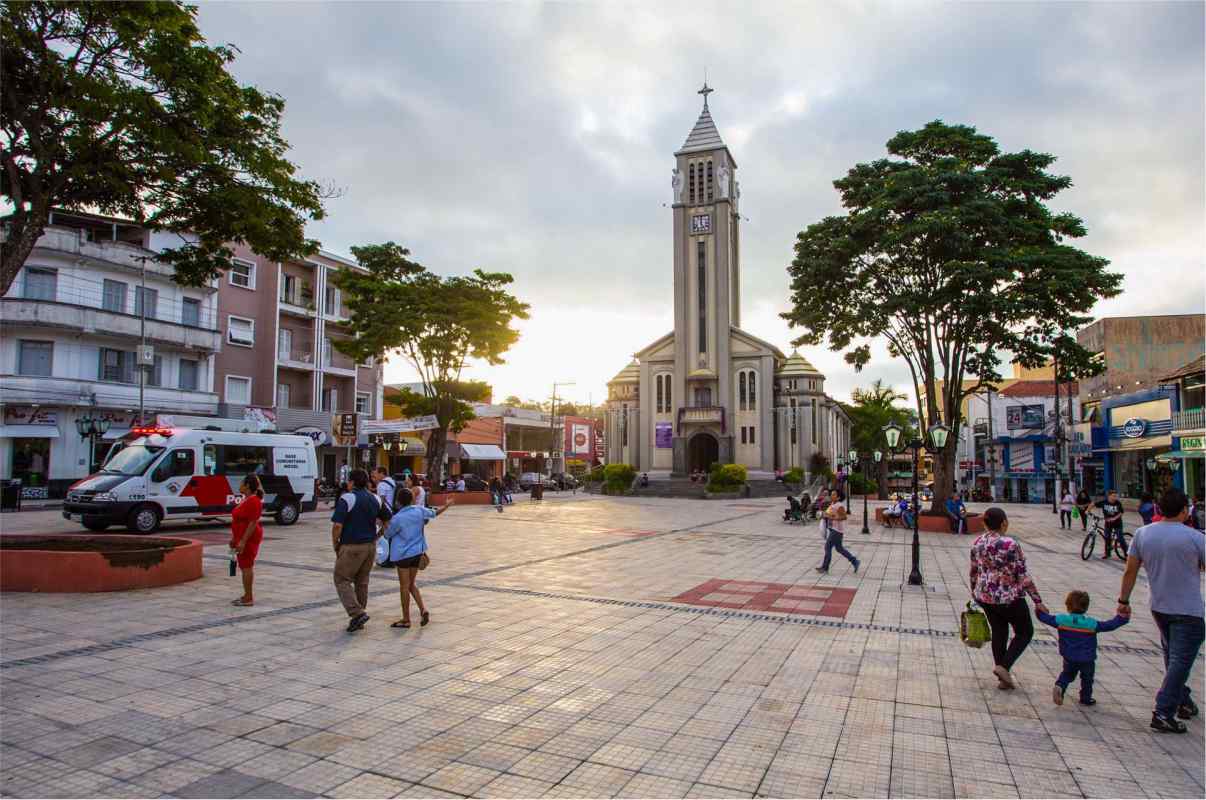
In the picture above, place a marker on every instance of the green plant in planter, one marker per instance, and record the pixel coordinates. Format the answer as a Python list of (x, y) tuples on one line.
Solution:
[(726, 477), (793, 475), (617, 478)]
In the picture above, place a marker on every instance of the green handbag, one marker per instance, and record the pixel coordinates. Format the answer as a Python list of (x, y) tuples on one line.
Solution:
[(973, 627)]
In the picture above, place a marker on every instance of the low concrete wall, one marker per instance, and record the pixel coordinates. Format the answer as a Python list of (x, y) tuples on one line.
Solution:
[(159, 561), (458, 499)]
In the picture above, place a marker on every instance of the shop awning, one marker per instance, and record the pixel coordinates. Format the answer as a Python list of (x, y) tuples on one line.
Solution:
[(29, 432), (1182, 454), (483, 452)]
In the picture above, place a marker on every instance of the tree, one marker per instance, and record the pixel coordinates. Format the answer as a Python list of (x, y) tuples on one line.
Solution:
[(872, 410), (436, 323), (948, 252), (124, 109)]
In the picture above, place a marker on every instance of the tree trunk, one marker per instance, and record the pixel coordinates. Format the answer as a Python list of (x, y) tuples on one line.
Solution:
[(21, 240), (945, 470), (882, 480), (437, 446)]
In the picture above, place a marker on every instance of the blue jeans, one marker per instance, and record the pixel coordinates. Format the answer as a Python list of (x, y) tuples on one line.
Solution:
[(1085, 669), (834, 542), (1180, 637)]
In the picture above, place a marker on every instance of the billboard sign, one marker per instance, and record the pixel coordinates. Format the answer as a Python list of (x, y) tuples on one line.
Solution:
[(345, 428), (663, 435), (1023, 417), (581, 440)]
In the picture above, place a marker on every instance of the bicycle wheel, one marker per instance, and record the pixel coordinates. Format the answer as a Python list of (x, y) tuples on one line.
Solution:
[(1122, 544), (1086, 548)]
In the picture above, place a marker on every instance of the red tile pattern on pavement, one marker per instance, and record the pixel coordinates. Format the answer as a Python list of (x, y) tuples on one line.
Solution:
[(817, 601)]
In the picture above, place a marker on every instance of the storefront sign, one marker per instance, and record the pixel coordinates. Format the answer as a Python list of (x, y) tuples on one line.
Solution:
[(581, 440), (410, 425), (663, 435), (1134, 427), (261, 417), (28, 415), (345, 429), (1022, 417), (1193, 442), (318, 435)]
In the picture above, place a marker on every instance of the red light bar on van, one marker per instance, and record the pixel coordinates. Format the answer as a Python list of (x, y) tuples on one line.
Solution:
[(151, 431)]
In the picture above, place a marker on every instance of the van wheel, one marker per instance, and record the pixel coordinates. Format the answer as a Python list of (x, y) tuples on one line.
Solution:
[(143, 519), (94, 524), (288, 513)]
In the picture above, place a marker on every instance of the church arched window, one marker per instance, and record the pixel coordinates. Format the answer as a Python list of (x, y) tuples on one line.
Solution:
[(753, 390), (741, 390), (669, 403), (709, 180), (691, 184)]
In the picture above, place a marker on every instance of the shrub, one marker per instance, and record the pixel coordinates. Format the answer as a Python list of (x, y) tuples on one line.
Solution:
[(726, 477), (618, 478), (819, 464), (860, 484), (794, 475)]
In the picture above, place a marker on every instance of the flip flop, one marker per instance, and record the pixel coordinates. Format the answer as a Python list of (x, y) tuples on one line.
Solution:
[(242, 602), (424, 619), (400, 624)]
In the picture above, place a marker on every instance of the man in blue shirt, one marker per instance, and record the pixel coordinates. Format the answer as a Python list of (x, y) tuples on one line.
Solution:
[(353, 535), (956, 512), (1174, 556)]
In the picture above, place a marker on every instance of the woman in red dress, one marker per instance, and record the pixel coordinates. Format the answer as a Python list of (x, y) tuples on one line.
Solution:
[(246, 533)]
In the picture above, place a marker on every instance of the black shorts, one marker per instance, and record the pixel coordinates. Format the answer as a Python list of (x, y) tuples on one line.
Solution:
[(407, 563)]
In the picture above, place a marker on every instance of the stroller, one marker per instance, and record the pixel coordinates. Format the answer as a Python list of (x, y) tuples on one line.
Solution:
[(794, 511)]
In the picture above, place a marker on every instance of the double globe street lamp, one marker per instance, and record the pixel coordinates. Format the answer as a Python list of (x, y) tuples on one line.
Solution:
[(89, 427), (859, 459), (938, 436)]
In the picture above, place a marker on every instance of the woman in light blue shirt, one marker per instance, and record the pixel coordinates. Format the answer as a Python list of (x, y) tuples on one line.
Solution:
[(407, 548)]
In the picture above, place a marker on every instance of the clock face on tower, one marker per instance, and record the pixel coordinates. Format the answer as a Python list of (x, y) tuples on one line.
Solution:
[(701, 223)]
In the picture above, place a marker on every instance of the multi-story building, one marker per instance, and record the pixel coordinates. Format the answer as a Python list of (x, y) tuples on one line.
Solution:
[(280, 323), (1187, 460), (72, 322)]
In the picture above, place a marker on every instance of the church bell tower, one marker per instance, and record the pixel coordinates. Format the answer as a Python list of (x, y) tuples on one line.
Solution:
[(707, 299)]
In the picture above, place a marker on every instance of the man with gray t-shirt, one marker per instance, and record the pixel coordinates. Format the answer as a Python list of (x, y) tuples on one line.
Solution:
[(1174, 555)]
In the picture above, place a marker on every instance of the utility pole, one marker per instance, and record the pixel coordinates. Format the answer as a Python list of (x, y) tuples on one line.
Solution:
[(553, 426), (992, 454), (1056, 463)]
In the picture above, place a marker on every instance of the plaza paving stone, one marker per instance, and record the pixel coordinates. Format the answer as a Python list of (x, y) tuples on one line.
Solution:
[(580, 647)]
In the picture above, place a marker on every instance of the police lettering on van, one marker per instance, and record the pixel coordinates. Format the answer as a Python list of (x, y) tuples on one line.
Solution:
[(159, 474)]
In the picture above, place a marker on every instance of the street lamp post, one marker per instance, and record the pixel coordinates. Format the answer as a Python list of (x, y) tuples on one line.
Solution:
[(89, 428), (861, 461), (938, 437)]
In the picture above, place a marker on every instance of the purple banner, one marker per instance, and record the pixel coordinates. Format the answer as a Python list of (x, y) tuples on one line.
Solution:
[(663, 434)]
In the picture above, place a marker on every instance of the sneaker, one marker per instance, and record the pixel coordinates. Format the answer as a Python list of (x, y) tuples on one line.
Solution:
[(1167, 724), (357, 622), (1088, 702), (1004, 679), (822, 570), (1187, 710), (1057, 695), (856, 563)]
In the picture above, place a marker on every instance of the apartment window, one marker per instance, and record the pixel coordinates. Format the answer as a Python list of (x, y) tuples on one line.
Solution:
[(41, 284), (190, 313), (242, 274), (330, 400), (155, 376), (240, 331), (326, 351), (113, 296), (364, 403), (332, 301), (116, 366), (147, 299), (289, 289), (238, 390), (188, 374), (34, 358), (282, 395), (284, 344)]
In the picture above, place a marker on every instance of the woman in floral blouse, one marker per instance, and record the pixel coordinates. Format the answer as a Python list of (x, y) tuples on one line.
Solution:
[(1000, 583)]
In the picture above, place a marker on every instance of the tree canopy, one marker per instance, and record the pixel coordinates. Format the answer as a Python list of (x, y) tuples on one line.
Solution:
[(122, 108), (872, 410), (949, 252), (436, 323)]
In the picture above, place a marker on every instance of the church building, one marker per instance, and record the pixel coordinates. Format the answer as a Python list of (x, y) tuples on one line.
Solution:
[(709, 391)]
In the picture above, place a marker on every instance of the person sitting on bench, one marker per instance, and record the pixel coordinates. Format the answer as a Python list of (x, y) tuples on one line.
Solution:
[(956, 513)]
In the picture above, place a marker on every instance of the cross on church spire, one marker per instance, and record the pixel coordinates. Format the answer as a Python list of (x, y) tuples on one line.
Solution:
[(705, 91)]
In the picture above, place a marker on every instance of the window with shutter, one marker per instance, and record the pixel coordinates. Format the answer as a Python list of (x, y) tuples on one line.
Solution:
[(35, 358), (113, 296), (41, 284), (190, 313), (240, 331), (148, 298)]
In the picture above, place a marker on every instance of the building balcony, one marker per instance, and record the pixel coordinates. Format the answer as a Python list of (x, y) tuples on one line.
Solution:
[(296, 307), (69, 316), (1189, 421), (701, 415), (297, 359), (30, 390), (122, 255)]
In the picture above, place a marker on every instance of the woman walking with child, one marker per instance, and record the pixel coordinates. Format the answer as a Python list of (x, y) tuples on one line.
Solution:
[(1000, 583), (408, 552)]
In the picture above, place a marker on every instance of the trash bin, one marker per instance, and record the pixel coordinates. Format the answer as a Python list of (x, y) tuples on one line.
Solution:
[(10, 495)]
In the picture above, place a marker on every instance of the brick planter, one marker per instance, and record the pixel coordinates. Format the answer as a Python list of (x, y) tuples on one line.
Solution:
[(96, 563), (458, 499), (938, 524)]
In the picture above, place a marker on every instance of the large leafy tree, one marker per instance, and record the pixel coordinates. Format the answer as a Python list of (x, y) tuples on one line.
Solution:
[(436, 323), (123, 108), (873, 409), (949, 252)]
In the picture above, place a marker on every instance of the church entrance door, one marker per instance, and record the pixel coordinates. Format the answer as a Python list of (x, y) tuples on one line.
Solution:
[(702, 452)]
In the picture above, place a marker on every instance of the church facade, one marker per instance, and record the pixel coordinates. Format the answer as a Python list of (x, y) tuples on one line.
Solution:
[(709, 391)]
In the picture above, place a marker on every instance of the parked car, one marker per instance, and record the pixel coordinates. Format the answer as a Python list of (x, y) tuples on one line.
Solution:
[(564, 480), (473, 483), (530, 479)]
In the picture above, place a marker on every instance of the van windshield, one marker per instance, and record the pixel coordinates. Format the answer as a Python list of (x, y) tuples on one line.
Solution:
[(132, 460)]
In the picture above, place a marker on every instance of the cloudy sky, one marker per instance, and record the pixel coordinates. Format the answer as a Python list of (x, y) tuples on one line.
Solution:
[(538, 140)]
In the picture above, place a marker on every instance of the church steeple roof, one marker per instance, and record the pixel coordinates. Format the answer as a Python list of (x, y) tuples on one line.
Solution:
[(704, 135)]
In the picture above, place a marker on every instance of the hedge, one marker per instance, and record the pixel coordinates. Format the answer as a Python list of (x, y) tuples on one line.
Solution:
[(726, 477)]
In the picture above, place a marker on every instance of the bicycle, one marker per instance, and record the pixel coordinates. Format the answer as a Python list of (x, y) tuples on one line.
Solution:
[(1121, 540)]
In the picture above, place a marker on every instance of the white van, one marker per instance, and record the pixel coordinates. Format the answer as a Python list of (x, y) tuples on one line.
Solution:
[(179, 473)]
